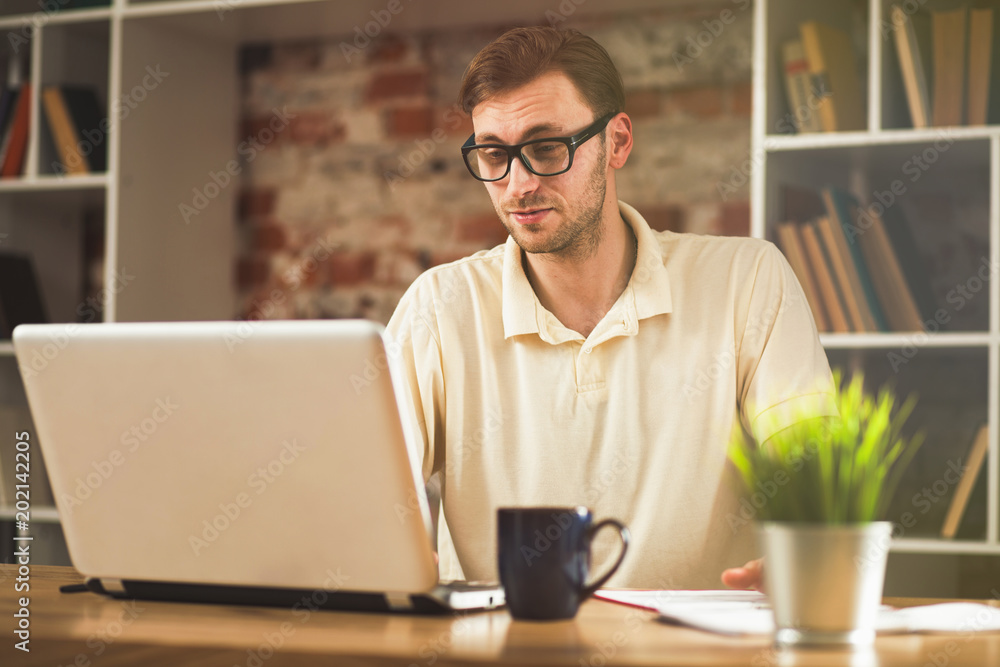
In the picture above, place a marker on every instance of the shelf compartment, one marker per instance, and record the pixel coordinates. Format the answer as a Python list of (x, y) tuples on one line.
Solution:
[(784, 26), (939, 189), (74, 56), (952, 406)]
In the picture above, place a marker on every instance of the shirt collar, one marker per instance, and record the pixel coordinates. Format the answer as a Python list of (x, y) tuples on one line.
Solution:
[(648, 290)]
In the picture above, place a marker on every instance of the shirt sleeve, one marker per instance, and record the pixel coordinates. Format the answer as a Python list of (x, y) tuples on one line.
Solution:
[(417, 345), (784, 374)]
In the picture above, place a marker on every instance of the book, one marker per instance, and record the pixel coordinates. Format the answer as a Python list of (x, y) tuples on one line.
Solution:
[(832, 301), (949, 53), (16, 143), (843, 209), (834, 70), (840, 268), (84, 109), (798, 88), (911, 261), (7, 106), (960, 500), (64, 134), (912, 38), (899, 306), (791, 244), (980, 61)]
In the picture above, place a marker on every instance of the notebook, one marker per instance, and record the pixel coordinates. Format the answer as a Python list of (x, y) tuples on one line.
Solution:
[(237, 462)]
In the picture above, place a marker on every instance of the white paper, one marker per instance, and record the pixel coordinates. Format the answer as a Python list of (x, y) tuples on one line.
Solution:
[(749, 612)]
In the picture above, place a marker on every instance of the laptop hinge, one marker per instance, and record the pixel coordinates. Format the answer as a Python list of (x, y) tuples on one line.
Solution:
[(113, 586), (398, 601)]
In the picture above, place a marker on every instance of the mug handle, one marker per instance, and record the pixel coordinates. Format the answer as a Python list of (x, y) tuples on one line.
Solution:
[(623, 532)]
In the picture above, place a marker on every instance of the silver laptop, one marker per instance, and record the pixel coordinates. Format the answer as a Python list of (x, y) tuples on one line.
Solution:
[(237, 462)]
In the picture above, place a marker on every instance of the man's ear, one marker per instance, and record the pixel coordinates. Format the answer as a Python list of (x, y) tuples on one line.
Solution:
[(620, 135)]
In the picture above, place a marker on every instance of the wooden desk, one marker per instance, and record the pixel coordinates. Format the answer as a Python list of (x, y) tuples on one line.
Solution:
[(84, 629)]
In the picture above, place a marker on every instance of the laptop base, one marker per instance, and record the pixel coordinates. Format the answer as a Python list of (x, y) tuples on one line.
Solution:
[(445, 599)]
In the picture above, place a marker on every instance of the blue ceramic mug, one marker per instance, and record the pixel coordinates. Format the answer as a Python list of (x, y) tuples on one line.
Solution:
[(544, 559)]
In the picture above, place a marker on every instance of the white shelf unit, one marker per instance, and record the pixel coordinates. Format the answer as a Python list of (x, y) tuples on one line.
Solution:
[(857, 160)]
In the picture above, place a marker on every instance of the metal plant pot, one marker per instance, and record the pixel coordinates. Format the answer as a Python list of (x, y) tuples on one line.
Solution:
[(825, 581)]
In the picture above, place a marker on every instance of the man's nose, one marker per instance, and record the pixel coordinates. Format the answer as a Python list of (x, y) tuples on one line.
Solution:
[(521, 180)]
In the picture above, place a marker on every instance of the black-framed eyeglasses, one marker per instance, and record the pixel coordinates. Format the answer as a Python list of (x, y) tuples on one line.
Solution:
[(548, 156)]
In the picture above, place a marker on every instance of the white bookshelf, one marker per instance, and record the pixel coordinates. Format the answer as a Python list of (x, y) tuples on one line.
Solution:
[(852, 160)]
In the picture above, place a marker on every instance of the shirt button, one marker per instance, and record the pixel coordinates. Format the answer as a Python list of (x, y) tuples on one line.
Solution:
[(588, 349)]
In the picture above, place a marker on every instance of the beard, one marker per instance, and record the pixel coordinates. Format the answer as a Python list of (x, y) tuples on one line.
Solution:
[(580, 233)]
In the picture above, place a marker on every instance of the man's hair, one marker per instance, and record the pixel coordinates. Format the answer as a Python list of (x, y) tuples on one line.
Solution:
[(521, 55)]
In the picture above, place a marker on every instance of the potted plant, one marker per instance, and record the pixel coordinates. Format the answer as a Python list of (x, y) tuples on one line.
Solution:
[(822, 530)]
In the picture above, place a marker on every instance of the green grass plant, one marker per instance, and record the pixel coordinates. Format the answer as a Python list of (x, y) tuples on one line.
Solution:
[(832, 470)]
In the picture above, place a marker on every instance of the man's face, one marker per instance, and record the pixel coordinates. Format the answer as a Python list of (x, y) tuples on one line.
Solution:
[(560, 214)]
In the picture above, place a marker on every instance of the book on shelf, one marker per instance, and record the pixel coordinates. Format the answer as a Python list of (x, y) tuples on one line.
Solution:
[(860, 269), (799, 88), (832, 300), (833, 68), (911, 261), (948, 30), (15, 141), (966, 483), (982, 66), (843, 209), (839, 261), (73, 120), (791, 243), (894, 294), (20, 296), (912, 36)]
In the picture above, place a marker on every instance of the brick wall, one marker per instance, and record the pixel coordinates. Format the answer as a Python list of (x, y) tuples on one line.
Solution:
[(355, 184)]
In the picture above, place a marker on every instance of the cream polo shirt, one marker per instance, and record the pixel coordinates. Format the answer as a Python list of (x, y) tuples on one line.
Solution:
[(632, 421)]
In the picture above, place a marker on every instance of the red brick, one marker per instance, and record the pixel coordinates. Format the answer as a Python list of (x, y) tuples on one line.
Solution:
[(698, 101), (411, 122), (256, 203), (315, 128), (252, 272), (664, 218), (742, 99), (269, 237), (351, 268), (401, 83), (642, 103), (734, 219), (453, 121), (389, 49), (485, 229)]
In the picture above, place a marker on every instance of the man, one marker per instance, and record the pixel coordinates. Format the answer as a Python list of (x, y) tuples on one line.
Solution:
[(590, 360)]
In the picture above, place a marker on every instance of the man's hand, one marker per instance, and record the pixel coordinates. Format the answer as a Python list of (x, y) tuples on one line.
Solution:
[(750, 575)]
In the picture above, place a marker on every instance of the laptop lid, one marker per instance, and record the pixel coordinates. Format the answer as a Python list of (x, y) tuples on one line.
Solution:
[(230, 453)]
